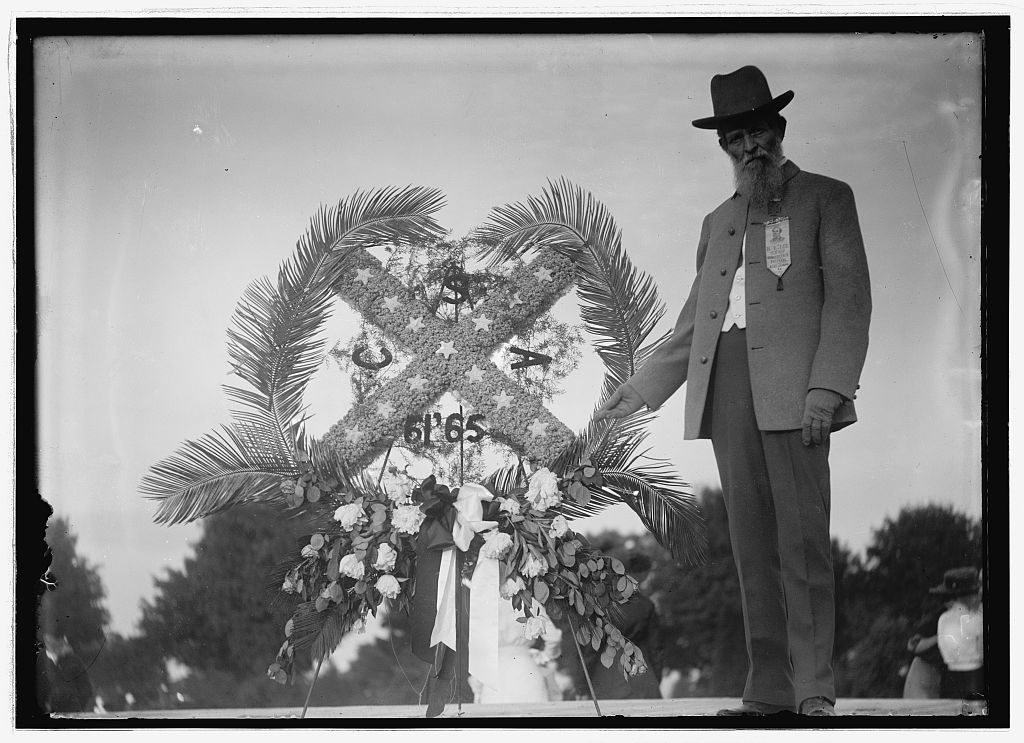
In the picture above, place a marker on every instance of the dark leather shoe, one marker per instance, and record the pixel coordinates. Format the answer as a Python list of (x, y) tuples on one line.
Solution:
[(754, 709), (817, 707)]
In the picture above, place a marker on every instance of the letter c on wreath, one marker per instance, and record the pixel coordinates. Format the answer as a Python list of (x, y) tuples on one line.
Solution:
[(357, 358)]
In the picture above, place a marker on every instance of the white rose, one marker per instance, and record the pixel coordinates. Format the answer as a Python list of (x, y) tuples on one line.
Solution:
[(400, 492), (308, 551), (510, 505), (386, 556), (496, 545), (407, 519), (350, 515), (352, 566), (559, 526), (536, 627), (388, 586), (512, 587), (534, 567), (543, 491)]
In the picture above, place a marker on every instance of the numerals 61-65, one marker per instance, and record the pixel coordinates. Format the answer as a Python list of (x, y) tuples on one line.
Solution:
[(417, 430)]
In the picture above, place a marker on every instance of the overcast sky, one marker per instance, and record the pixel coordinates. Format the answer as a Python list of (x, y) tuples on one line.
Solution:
[(172, 172)]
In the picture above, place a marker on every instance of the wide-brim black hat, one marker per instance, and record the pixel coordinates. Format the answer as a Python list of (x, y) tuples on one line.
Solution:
[(958, 582), (739, 96)]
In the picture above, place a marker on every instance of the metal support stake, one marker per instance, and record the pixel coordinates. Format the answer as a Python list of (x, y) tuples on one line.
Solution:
[(583, 663)]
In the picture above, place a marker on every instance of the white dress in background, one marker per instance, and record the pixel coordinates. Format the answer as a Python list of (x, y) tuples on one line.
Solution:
[(523, 678)]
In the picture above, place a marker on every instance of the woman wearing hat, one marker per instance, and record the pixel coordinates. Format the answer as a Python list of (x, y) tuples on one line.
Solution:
[(961, 635)]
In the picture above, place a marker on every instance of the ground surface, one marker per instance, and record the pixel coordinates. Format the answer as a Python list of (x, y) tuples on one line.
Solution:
[(609, 708)]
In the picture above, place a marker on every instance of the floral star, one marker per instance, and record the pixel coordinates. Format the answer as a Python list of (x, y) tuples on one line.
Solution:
[(517, 298), (543, 274), (418, 383), (483, 322), (353, 434), (363, 276), (476, 374), (392, 303), (447, 349), (415, 325), (537, 429), (385, 409), (503, 400)]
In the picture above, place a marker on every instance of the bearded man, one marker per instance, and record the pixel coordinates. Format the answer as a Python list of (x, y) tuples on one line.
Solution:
[(771, 341)]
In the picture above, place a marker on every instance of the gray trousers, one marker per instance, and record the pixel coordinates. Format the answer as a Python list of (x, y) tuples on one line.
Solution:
[(777, 498)]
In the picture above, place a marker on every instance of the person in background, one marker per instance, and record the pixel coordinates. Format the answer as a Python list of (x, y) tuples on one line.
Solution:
[(638, 621), (526, 670), (960, 636), (924, 677)]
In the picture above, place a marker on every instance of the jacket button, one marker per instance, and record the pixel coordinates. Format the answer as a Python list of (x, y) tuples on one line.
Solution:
[(723, 272), (713, 314), (732, 230), (703, 359)]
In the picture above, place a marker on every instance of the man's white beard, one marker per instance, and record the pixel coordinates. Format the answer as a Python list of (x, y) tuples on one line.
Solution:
[(760, 180)]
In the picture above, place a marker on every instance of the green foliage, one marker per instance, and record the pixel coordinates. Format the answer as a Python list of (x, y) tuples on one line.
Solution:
[(73, 606), (909, 554), (211, 615), (135, 666)]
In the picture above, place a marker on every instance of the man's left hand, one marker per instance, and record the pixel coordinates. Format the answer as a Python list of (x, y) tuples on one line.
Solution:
[(819, 408)]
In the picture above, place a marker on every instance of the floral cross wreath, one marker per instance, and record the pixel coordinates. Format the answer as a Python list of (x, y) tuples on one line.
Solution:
[(380, 541)]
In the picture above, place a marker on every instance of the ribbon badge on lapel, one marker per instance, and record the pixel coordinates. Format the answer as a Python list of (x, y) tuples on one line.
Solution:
[(453, 519)]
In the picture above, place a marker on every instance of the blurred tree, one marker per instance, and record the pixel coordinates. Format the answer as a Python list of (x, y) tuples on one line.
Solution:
[(131, 666), (700, 608), (212, 616), (71, 625), (72, 606), (884, 596), (385, 671)]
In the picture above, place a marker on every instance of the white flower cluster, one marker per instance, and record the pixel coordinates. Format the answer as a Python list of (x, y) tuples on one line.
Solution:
[(559, 527), (534, 566), (386, 557), (350, 516), (352, 566), (543, 492), (388, 586), (496, 545), (511, 587), (407, 519), (536, 627)]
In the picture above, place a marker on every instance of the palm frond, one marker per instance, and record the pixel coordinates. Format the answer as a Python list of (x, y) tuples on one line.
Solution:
[(619, 305), (275, 348), (506, 479), (220, 469), (673, 517), (321, 631), (562, 218), (274, 343)]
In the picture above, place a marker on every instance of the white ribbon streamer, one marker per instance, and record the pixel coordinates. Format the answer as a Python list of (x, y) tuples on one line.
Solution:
[(483, 613)]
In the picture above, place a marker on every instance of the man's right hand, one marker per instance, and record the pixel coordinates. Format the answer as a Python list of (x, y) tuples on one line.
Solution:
[(624, 401)]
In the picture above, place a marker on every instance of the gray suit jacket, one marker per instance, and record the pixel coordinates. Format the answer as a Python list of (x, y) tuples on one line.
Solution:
[(811, 333)]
